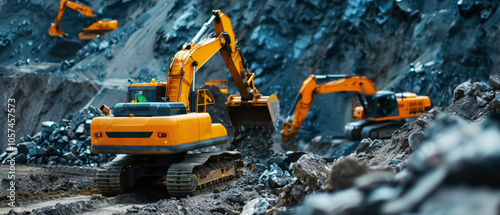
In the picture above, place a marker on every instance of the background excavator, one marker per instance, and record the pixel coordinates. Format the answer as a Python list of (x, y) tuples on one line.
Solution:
[(97, 27), (380, 112), (156, 135), (221, 83)]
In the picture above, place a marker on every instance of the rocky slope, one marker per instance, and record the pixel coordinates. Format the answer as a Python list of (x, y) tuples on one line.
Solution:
[(377, 39)]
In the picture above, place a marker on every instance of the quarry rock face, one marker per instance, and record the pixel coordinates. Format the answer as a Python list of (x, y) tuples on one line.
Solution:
[(42, 98), (445, 161)]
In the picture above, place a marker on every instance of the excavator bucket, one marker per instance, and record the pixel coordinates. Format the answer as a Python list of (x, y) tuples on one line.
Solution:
[(56, 31), (263, 111)]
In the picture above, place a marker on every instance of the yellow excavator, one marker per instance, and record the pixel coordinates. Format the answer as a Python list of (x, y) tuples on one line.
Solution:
[(379, 114), (161, 122), (221, 83), (98, 27)]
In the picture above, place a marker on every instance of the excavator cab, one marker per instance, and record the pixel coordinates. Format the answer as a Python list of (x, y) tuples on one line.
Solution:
[(153, 92), (382, 104)]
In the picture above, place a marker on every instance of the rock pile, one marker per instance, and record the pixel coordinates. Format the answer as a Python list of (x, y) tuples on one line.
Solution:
[(64, 143), (471, 101), (453, 172)]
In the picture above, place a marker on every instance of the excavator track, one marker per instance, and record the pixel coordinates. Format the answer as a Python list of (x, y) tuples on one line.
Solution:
[(374, 130), (381, 130), (189, 174), (199, 173), (108, 180)]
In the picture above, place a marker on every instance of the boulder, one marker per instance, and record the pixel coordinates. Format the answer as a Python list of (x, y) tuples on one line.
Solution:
[(481, 102), (415, 139), (25, 147), (275, 177), (70, 156), (363, 145), (311, 171), (495, 103), (460, 90), (341, 202), (475, 88), (258, 206), (344, 172), (495, 81)]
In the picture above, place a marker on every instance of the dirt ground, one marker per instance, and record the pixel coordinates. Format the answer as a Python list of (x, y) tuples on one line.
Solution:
[(69, 190)]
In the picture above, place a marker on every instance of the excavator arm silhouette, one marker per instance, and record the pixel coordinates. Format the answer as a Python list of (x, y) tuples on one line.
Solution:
[(251, 108), (99, 27), (310, 88)]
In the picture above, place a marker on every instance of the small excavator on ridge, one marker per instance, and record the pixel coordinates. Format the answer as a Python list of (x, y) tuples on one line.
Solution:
[(98, 27)]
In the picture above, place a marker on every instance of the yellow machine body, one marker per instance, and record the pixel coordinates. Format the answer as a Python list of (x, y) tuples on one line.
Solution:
[(155, 135)]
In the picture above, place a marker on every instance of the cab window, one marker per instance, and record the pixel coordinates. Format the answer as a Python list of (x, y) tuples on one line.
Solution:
[(134, 95), (386, 106), (382, 105)]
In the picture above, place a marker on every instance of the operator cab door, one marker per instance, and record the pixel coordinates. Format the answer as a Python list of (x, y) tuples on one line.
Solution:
[(382, 104), (154, 94)]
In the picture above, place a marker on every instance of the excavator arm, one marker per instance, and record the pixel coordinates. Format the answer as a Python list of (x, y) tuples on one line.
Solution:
[(308, 91), (251, 108), (100, 27), (186, 62)]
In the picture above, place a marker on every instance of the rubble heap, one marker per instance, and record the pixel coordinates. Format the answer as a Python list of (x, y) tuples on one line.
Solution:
[(64, 143), (471, 101), (452, 172)]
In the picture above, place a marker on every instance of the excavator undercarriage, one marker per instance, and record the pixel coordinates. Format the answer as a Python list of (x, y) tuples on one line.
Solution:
[(180, 174), (375, 130)]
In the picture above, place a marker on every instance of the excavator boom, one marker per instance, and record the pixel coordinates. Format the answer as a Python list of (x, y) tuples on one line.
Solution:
[(251, 108)]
